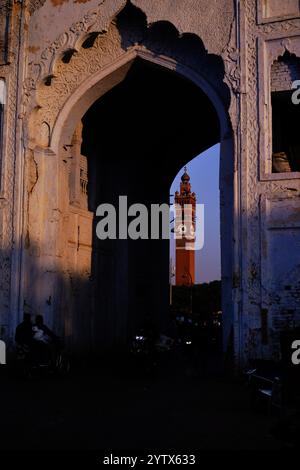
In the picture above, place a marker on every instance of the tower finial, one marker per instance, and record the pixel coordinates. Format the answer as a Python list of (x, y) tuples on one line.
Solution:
[(185, 177)]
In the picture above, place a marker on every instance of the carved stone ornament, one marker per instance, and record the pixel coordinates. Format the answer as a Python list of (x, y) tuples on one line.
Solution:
[(35, 5), (66, 64)]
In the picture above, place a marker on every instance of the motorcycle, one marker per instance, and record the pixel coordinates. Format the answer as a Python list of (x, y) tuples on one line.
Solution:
[(145, 350), (38, 358)]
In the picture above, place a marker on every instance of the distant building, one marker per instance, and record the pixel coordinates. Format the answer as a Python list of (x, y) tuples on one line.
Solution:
[(185, 221)]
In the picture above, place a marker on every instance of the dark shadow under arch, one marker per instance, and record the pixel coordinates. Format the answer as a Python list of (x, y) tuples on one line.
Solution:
[(136, 137)]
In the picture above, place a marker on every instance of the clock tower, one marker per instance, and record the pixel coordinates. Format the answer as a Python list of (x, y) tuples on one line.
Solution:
[(185, 224)]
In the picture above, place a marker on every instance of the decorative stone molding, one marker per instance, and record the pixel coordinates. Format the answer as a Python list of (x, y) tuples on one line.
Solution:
[(281, 27), (250, 199), (66, 64), (232, 63), (37, 72), (231, 56), (233, 74), (71, 40)]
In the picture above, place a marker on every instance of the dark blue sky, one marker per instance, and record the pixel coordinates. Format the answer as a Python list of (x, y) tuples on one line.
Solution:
[(204, 173)]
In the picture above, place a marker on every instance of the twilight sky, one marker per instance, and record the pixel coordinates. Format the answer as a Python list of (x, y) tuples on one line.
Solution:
[(204, 173)]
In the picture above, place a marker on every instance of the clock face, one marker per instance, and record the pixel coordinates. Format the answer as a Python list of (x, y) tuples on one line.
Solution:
[(181, 229), (184, 229)]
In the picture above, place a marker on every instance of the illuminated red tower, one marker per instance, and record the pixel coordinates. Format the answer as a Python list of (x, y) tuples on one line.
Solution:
[(185, 203)]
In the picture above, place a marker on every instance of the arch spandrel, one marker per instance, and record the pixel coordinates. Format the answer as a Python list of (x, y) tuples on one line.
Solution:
[(56, 79), (186, 15)]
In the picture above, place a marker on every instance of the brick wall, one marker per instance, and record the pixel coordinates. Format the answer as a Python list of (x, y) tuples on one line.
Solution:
[(283, 72)]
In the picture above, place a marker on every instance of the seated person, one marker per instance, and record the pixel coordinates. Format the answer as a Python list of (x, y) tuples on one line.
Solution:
[(42, 332), (24, 335), (44, 341)]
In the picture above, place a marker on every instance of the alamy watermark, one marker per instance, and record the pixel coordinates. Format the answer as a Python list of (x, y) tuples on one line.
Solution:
[(296, 94), (296, 353), (2, 92), (139, 222), (2, 352)]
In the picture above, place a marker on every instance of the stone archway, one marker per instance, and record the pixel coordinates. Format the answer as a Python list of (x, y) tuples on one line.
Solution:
[(78, 79)]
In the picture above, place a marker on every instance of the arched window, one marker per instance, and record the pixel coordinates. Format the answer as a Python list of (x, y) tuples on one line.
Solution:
[(285, 115)]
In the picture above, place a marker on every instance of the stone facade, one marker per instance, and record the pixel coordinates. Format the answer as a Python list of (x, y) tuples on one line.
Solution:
[(57, 58)]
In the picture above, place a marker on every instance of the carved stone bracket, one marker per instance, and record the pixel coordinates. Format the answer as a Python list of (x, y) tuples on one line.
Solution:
[(231, 57)]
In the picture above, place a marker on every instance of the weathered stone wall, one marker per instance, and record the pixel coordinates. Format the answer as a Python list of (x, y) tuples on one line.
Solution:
[(267, 264), (185, 15)]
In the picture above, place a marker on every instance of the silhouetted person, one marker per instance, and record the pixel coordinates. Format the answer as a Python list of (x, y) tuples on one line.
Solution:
[(44, 340), (41, 331), (24, 332)]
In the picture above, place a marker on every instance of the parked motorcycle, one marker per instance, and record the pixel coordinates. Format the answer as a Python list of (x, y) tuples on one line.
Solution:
[(146, 350), (39, 359)]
